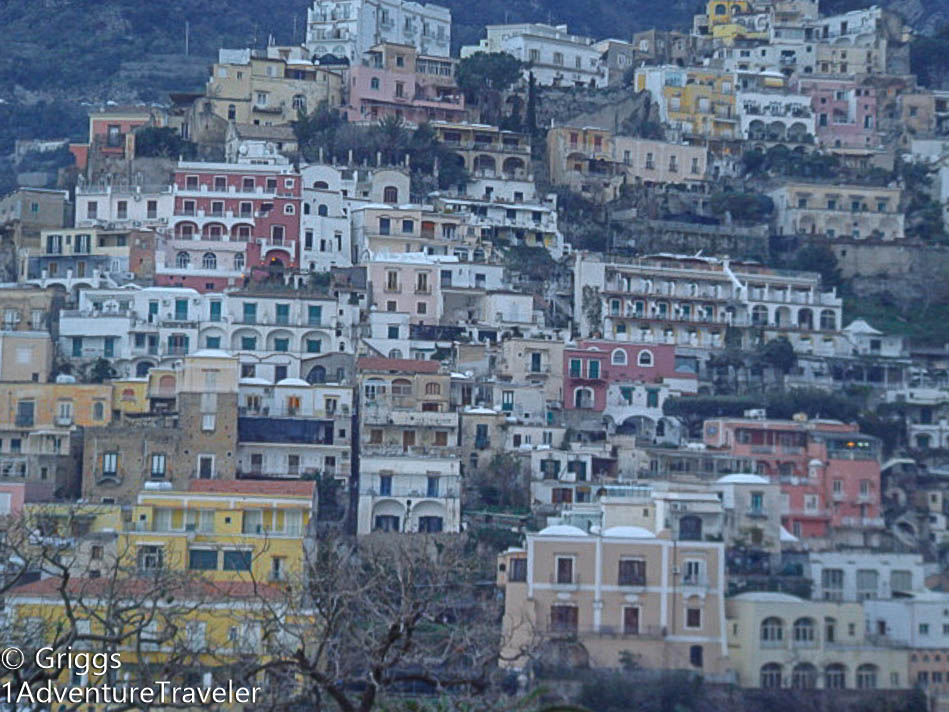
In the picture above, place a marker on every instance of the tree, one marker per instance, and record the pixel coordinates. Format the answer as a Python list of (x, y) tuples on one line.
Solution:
[(161, 142), (744, 207), (779, 355), (101, 371), (820, 259), (317, 130), (386, 616), (483, 77), (532, 262), (391, 138), (530, 118)]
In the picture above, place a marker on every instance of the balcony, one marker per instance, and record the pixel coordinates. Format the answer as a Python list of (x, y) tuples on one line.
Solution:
[(408, 491), (863, 522), (757, 513), (649, 632), (410, 418)]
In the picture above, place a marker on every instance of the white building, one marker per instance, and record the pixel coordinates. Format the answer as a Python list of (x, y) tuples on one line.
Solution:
[(259, 145), (920, 621), (773, 116), (864, 575), (349, 28), (123, 207), (554, 56)]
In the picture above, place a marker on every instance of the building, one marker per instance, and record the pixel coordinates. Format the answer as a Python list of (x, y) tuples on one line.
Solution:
[(865, 575), (696, 101), (28, 308), (618, 58), (190, 432), (409, 474), (41, 433), (589, 597), (112, 139), (552, 55), (349, 29), (771, 117), (230, 220), (259, 144), (25, 356), (487, 151), (776, 640), (625, 385), (395, 80), (78, 258), (114, 206), (269, 87), (25, 212), (846, 111), (829, 472), (844, 211), (690, 301)]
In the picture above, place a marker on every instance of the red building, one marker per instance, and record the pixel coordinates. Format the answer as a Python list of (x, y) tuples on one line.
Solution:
[(231, 221), (829, 472), (592, 366)]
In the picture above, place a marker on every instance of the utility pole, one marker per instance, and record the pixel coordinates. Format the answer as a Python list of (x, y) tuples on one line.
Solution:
[(187, 38)]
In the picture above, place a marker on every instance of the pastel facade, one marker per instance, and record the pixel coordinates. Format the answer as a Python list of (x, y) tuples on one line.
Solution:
[(829, 472), (625, 589), (780, 641), (845, 111), (845, 211)]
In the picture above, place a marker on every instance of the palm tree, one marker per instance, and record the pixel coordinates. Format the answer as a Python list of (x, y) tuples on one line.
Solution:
[(391, 138)]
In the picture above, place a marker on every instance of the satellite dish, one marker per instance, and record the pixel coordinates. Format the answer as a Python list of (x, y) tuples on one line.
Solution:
[(242, 150)]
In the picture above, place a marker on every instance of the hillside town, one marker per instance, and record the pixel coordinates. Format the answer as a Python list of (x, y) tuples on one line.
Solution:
[(382, 375)]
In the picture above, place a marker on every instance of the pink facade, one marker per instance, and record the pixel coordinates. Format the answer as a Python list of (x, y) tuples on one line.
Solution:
[(846, 112), (829, 472), (592, 366), (408, 287), (220, 205)]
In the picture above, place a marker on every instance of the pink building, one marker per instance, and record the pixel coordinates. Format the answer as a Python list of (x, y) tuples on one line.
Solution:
[(829, 472), (846, 112), (408, 283), (394, 80), (230, 220), (603, 375)]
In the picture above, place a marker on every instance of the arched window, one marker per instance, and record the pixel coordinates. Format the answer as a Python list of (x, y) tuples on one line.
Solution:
[(835, 677), (867, 677), (128, 394), (828, 320), (401, 387), (770, 676), (720, 10), (98, 411), (395, 353), (804, 632), (390, 194), (618, 358), (644, 358), (804, 677), (209, 261), (320, 185), (322, 210), (433, 389), (288, 209), (772, 632), (182, 260), (239, 261)]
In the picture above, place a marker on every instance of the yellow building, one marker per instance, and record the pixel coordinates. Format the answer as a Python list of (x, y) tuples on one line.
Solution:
[(130, 395), (776, 640), (222, 530), (268, 87), (705, 105), (729, 20)]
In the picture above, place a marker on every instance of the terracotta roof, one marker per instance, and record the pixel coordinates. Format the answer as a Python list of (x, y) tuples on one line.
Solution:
[(141, 587), (290, 488), (372, 363)]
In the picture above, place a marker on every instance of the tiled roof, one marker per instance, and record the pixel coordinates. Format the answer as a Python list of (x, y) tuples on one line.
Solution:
[(290, 488), (372, 363)]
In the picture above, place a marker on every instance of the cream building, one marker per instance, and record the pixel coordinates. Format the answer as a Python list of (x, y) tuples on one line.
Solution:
[(776, 640), (589, 598), (845, 211)]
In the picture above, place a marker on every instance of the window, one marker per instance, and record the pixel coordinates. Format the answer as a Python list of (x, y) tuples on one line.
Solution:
[(867, 677), (618, 358), (564, 619), (693, 617), (770, 676), (804, 632), (518, 570), (385, 484), (644, 358), (867, 584), (695, 656), (564, 569), (202, 559), (150, 558), (433, 389), (390, 194), (110, 463), (209, 261), (835, 677), (235, 560), (421, 308), (632, 572), (593, 369), (92, 210), (575, 367), (901, 581), (281, 344), (374, 83), (832, 581), (206, 467), (158, 466), (314, 346), (772, 632), (432, 486)]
